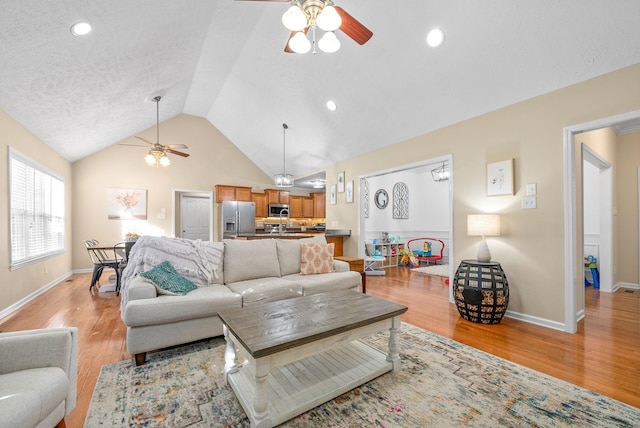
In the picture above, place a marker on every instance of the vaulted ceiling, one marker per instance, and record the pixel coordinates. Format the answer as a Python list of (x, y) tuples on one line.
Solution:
[(224, 60)]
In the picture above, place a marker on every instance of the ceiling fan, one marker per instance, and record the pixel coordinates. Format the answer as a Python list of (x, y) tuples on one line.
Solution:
[(158, 152), (311, 14)]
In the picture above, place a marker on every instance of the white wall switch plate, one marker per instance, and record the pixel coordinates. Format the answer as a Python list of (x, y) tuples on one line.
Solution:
[(529, 202), (532, 189)]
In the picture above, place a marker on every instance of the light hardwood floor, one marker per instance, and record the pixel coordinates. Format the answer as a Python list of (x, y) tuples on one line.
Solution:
[(603, 356)]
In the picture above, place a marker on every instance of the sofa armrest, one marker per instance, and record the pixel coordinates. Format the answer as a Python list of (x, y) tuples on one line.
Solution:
[(340, 266), (140, 288), (51, 347)]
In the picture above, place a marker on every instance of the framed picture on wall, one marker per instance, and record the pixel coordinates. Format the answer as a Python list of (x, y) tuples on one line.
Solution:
[(500, 178), (332, 194), (341, 182), (349, 192), (127, 204)]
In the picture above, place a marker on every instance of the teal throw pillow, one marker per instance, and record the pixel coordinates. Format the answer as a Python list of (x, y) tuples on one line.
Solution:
[(167, 281)]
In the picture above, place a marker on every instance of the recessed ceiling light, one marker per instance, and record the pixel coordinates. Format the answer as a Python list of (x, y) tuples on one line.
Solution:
[(80, 28), (331, 105), (435, 37)]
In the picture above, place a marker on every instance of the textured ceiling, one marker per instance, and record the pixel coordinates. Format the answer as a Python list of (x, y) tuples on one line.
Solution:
[(224, 60)]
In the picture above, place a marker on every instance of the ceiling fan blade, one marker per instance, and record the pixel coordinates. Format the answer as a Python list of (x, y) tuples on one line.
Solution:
[(175, 152), (287, 49), (145, 140), (177, 146), (353, 28)]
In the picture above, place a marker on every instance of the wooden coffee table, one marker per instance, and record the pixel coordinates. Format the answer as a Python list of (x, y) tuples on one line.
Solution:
[(304, 351)]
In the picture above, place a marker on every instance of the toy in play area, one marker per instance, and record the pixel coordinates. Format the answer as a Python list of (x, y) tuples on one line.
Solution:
[(409, 259)]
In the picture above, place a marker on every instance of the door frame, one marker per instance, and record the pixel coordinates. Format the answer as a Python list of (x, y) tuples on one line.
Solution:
[(175, 203), (571, 259)]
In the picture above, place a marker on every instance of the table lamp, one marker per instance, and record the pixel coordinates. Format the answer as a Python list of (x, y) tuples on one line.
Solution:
[(483, 225)]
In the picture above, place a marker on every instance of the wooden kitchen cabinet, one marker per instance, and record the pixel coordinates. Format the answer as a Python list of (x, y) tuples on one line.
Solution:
[(318, 205), (295, 206), (232, 193), (337, 244), (307, 208), (260, 199), (275, 196)]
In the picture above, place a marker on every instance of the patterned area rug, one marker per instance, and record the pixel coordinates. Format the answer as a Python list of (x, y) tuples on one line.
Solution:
[(439, 270), (442, 383)]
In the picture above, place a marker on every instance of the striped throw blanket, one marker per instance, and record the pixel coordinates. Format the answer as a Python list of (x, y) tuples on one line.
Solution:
[(195, 260)]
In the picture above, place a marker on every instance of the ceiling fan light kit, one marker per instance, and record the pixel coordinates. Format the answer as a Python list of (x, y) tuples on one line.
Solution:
[(303, 15)]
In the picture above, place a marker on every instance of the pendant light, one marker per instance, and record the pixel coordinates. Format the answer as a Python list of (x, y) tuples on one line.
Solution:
[(284, 179)]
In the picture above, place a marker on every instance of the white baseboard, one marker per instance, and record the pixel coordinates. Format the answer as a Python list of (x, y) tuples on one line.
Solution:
[(626, 285), (20, 303), (536, 320)]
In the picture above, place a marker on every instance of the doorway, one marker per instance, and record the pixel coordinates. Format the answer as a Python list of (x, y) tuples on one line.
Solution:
[(597, 209), (573, 281), (373, 217), (193, 217)]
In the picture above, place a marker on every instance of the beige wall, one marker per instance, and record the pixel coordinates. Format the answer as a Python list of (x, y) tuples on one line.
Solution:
[(532, 248), (18, 284), (628, 155), (213, 160)]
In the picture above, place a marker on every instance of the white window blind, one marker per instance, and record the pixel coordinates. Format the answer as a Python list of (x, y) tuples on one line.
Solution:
[(36, 201)]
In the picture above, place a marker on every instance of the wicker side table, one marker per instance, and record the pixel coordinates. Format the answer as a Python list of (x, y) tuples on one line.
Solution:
[(481, 291)]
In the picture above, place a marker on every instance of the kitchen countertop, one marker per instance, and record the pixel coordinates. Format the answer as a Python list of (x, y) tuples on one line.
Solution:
[(296, 233)]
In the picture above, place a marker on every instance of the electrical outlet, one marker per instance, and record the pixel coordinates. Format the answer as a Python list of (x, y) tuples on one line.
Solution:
[(529, 203), (532, 189)]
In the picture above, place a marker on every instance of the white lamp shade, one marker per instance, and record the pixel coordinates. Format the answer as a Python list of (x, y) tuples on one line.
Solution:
[(329, 20), (483, 225), (329, 43), (294, 19), (299, 43), (150, 159)]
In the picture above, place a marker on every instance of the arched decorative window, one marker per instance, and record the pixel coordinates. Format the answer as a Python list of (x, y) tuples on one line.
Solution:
[(366, 198), (400, 200)]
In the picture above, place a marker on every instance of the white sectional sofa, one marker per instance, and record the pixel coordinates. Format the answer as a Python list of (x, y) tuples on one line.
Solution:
[(38, 377), (232, 273)]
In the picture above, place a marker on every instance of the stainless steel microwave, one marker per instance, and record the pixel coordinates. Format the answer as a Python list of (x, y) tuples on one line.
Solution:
[(278, 210)]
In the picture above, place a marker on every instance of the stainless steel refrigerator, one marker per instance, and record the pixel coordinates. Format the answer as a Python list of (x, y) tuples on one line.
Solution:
[(238, 219)]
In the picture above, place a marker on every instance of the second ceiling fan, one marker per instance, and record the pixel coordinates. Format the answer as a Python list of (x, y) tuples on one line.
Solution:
[(311, 14)]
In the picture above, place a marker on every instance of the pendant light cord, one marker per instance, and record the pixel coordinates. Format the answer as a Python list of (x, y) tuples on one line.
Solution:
[(158, 119), (284, 131)]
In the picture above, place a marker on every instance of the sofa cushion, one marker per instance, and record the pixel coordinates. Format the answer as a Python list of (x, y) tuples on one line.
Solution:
[(167, 281), (320, 283), (289, 253), (250, 259), (29, 396), (203, 302), (316, 258), (263, 290)]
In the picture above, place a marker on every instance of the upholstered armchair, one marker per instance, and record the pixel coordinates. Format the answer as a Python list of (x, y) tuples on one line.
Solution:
[(38, 377)]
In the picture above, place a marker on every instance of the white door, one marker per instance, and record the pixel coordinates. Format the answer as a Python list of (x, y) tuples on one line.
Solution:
[(195, 214)]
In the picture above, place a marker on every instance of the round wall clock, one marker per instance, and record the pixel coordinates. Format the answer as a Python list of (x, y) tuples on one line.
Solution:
[(381, 199)]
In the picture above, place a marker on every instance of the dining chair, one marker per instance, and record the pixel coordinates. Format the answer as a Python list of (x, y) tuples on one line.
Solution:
[(106, 257)]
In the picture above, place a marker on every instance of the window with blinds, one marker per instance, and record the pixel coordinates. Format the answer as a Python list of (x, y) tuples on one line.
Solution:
[(36, 203)]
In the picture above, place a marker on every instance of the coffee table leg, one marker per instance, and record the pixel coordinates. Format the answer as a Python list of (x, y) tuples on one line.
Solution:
[(230, 365), (261, 401), (394, 357)]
